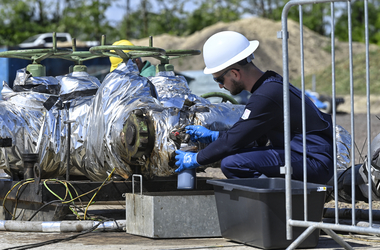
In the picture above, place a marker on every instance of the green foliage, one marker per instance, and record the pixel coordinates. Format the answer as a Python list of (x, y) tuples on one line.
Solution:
[(17, 21), (211, 12), (21, 19), (86, 20), (312, 16), (357, 20), (342, 78)]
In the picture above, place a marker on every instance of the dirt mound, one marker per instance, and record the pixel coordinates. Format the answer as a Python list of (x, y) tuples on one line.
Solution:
[(268, 56)]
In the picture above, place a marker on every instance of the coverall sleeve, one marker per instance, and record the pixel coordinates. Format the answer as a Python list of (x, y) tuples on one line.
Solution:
[(262, 113)]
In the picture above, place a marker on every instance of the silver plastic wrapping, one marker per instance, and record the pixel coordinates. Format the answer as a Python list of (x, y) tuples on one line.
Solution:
[(122, 91), (174, 107), (22, 115), (97, 143), (24, 81), (77, 84), (173, 90), (182, 108), (32, 118), (343, 146)]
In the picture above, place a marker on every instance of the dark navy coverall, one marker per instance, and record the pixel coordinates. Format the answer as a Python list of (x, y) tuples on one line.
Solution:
[(263, 116)]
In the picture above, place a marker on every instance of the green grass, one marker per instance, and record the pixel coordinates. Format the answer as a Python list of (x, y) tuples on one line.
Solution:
[(342, 76)]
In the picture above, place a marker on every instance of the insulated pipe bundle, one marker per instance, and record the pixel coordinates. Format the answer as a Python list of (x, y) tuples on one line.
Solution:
[(34, 120), (132, 117), (124, 125)]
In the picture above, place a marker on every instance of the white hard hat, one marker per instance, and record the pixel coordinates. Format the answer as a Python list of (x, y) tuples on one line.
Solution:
[(226, 48)]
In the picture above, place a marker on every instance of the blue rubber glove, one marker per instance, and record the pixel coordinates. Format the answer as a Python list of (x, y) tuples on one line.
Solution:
[(202, 134), (185, 160)]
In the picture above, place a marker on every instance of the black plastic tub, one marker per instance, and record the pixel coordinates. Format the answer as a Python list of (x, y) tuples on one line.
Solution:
[(252, 211)]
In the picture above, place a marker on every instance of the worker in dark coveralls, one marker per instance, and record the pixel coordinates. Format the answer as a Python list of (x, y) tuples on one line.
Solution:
[(229, 58)]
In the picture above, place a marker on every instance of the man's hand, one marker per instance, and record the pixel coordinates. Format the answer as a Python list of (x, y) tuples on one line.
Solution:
[(202, 134), (185, 160)]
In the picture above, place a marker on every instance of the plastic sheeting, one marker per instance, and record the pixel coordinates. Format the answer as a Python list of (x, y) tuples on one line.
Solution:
[(98, 113), (32, 118), (170, 105), (343, 145)]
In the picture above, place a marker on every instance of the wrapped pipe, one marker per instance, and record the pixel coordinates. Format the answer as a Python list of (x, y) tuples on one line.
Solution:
[(125, 123), (36, 120), (59, 226)]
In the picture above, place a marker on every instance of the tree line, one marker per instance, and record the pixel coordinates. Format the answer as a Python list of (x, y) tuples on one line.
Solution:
[(86, 19)]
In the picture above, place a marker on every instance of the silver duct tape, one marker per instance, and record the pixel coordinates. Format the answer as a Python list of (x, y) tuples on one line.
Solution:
[(343, 147), (51, 226)]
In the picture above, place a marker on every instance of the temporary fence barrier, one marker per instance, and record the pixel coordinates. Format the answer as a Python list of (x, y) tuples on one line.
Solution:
[(328, 228)]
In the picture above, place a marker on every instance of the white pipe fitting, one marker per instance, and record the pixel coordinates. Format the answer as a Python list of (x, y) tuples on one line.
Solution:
[(59, 226)]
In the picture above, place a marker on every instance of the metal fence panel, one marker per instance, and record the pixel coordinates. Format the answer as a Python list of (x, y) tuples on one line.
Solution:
[(329, 228)]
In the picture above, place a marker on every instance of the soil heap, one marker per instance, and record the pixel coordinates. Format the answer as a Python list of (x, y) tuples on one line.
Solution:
[(317, 48)]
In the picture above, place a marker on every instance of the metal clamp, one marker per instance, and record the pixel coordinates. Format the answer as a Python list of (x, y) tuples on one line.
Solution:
[(133, 183), (68, 142)]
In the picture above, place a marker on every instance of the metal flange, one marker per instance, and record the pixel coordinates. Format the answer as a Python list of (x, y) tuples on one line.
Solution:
[(138, 136)]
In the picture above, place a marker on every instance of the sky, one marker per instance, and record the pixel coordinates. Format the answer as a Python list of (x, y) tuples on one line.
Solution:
[(116, 12)]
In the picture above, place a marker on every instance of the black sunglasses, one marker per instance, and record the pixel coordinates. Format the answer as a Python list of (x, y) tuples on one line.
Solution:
[(220, 79)]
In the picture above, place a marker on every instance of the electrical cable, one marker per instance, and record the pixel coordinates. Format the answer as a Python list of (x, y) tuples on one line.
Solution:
[(48, 242), (46, 204), (18, 190), (72, 199), (5, 197), (62, 200), (89, 203)]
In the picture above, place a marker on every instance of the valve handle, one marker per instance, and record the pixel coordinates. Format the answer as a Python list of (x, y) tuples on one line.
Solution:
[(224, 97)]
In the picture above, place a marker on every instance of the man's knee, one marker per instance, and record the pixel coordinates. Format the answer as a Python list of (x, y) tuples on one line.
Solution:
[(226, 165)]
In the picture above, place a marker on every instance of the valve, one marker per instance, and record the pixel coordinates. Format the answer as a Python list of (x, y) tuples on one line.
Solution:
[(224, 97), (36, 56)]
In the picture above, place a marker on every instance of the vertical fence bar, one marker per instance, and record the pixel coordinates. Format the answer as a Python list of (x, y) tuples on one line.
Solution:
[(369, 156), (334, 108), (287, 170), (288, 167), (349, 14), (303, 115)]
